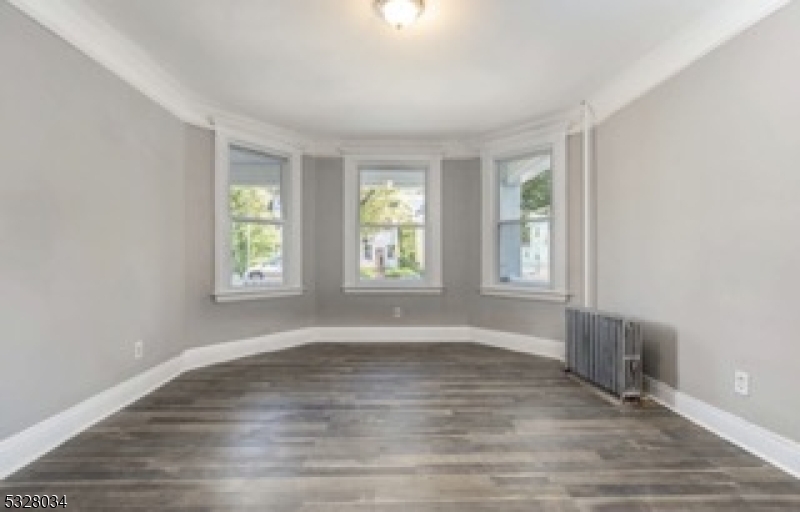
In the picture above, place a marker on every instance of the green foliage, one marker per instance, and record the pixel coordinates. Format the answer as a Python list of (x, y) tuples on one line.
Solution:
[(406, 250), (251, 243), (382, 205), (401, 272), (408, 261), (537, 194)]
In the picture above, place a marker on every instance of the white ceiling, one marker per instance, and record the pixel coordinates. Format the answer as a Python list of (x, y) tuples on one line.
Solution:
[(332, 68)]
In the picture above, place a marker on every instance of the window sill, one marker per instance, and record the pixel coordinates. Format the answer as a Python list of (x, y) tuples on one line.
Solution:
[(257, 294), (393, 290), (510, 292)]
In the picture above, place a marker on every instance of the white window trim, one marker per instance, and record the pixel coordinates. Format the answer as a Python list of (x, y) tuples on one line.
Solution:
[(432, 284), (555, 141), (293, 226)]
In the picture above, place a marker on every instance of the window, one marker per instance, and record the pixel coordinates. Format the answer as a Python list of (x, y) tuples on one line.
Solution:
[(524, 219), (392, 213), (258, 215), (367, 249), (392, 208), (525, 187), (257, 219)]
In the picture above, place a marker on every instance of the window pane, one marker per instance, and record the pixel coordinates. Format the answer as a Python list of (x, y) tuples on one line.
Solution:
[(396, 253), (524, 254), (255, 184), (392, 197), (257, 256), (525, 187)]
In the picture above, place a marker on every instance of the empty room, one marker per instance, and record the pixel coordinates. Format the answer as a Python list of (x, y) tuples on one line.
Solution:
[(400, 255)]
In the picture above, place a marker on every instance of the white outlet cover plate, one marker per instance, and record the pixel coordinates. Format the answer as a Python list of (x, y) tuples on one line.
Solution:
[(741, 383)]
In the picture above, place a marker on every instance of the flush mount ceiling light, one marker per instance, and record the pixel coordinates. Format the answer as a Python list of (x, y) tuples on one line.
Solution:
[(400, 13)]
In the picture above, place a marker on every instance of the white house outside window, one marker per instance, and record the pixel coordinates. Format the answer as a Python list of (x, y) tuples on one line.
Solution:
[(392, 224), (392, 214), (258, 218)]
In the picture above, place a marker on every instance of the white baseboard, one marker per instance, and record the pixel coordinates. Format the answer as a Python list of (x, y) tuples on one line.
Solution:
[(23, 448), (201, 357), (769, 446), (550, 349), (390, 334)]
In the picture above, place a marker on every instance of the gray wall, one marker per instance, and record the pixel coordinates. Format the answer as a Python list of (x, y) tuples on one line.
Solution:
[(699, 220), (206, 321), (109, 237), (106, 225), (461, 303), (91, 226)]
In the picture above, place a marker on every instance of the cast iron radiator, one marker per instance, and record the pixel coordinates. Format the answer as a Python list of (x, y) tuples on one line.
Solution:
[(605, 350)]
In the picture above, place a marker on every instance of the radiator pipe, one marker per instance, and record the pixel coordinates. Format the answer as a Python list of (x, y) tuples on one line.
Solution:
[(588, 203)]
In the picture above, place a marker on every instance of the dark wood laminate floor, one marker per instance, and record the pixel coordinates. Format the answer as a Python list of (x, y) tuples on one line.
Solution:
[(398, 427)]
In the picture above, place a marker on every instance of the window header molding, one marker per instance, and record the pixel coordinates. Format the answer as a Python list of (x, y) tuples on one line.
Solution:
[(256, 138), (392, 150), (525, 139)]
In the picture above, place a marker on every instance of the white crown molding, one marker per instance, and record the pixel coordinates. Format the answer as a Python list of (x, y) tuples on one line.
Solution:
[(561, 121), (366, 147), (769, 446), (240, 124), (677, 53), (80, 26)]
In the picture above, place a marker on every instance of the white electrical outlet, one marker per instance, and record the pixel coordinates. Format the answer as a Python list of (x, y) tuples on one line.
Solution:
[(741, 383), (397, 312), (138, 349)]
